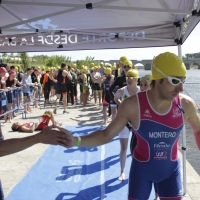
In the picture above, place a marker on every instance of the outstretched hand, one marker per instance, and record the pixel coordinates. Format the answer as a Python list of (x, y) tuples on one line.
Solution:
[(57, 136)]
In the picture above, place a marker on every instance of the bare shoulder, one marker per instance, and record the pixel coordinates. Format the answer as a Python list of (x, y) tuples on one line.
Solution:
[(129, 108), (187, 103)]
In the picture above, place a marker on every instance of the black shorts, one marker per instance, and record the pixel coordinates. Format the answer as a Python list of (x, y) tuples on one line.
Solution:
[(61, 88), (10, 97), (96, 87)]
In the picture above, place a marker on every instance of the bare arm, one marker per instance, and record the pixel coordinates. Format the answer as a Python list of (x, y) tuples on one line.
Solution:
[(118, 95), (53, 75), (66, 73), (15, 82), (47, 136), (100, 137), (27, 129), (192, 117)]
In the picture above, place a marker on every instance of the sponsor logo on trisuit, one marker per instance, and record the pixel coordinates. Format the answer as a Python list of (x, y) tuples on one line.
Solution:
[(176, 113), (160, 155), (147, 113), (161, 145)]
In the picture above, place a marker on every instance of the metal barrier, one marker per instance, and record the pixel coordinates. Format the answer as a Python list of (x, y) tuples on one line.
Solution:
[(14, 99)]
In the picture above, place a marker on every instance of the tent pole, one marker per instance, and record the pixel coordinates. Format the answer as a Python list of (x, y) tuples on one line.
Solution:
[(183, 142)]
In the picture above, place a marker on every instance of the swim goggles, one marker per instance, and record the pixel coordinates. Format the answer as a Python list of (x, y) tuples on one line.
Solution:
[(173, 80), (130, 77)]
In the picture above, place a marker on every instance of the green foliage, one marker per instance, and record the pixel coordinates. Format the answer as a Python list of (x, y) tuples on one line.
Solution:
[(88, 60), (24, 60), (52, 61)]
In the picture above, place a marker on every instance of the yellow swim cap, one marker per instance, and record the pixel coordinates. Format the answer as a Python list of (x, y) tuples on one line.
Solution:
[(48, 69), (133, 72), (91, 64), (108, 65), (147, 78), (73, 65), (95, 67), (114, 67), (128, 63), (108, 70), (83, 70), (123, 59), (169, 64)]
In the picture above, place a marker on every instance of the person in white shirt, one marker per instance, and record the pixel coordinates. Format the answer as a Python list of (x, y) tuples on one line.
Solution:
[(121, 94)]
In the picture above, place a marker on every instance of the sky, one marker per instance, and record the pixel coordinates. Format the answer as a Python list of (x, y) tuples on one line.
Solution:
[(189, 46)]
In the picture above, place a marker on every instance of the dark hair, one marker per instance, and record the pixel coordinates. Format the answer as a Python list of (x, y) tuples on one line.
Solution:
[(63, 65), (33, 67), (12, 67), (15, 129), (28, 69), (153, 82)]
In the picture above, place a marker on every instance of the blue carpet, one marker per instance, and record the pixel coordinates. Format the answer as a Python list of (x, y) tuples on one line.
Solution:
[(75, 173)]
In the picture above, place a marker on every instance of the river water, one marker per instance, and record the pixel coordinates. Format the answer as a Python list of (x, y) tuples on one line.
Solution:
[(192, 89)]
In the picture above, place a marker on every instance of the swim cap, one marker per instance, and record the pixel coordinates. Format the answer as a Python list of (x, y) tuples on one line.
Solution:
[(83, 70), (91, 64), (95, 67), (73, 65), (48, 69), (147, 78), (107, 70), (108, 65), (133, 72), (123, 59), (170, 64), (128, 63), (114, 67)]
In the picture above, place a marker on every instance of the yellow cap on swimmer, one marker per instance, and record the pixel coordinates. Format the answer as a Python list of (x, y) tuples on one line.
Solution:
[(91, 64), (123, 59), (108, 65), (114, 67), (108, 70), (147, 78), (169, 64), (83, 70), (128, 63), (95, 67), (74, 65), (133, 72)]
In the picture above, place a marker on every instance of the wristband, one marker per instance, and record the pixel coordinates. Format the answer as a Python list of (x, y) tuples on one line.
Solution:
[(79, 141)]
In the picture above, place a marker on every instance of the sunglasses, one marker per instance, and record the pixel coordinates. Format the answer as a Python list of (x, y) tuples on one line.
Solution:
[(173, 80), (125, 67)]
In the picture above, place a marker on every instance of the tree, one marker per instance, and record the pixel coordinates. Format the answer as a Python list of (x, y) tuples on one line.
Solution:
[(88, 60), (4, 56), (24, 60)]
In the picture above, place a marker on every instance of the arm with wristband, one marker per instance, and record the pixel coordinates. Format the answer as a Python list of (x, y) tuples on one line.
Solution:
[(101, 137)]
